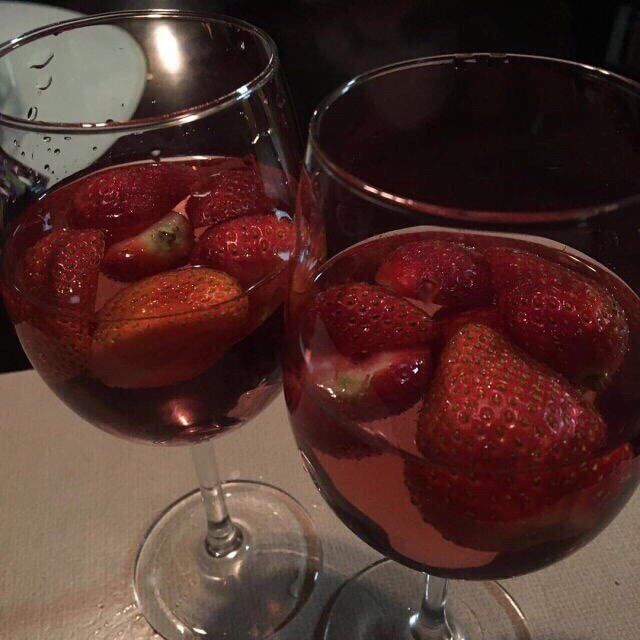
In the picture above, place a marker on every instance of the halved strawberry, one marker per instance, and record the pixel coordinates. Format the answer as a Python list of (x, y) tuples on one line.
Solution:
[(125, 200), (228, 192), (383, 384), (564, 319), (362, 319), (249, 248), (491, 404), (167, 244), (168, 328), (439, 272), (506, 511)]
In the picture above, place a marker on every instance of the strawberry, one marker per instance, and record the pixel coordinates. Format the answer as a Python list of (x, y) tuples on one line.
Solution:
[(448, 324), (227, 193), (505, 511), (125, 200), (492, 404), (60, 271), (248, 248), (439, 272), (363, 319), (167, 244), (383, 384), (568, 321), (167, 328), (509, 267)]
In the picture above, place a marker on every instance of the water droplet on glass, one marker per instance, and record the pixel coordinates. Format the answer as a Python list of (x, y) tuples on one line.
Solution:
[(156, 154), (94, 148), (15, 143), (108, 121), (32, 114), (44, 83), (56, 152), (46, 167), (47, 138), (49, 149), (42, 59), (243, 46), (67, 138), (22, 153)]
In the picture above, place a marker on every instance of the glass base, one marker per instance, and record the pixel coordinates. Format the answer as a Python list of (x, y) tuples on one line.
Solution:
[(253, 592), (377, 604)]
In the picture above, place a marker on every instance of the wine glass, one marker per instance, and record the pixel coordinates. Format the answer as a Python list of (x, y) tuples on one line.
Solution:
[(463, 327), (148, 170)]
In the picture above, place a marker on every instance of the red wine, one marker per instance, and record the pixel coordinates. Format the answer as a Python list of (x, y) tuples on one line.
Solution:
[(133, 329), (467, 403)]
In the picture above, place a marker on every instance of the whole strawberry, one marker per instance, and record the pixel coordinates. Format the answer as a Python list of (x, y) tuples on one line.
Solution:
[(248, 248), (448, 323), (62, 269), (125, 200), (362, 319), (59, 282), (492, 405), (438, 272), (228, 192), (505, 511), (564, 319)]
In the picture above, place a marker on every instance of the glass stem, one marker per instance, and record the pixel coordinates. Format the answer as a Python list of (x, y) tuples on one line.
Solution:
[(223, 537), (430, 622)]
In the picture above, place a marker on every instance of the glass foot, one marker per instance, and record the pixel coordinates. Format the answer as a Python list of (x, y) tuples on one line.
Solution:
[(378, 603), (253, 592)]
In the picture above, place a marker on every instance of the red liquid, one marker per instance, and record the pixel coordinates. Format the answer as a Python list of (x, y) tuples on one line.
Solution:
[(213, 388), (472, 520)]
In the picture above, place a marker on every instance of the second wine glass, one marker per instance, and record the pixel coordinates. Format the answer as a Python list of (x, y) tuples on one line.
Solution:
[(463, 346)]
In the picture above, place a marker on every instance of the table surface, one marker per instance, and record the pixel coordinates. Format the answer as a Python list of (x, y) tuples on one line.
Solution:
[(75, 502)]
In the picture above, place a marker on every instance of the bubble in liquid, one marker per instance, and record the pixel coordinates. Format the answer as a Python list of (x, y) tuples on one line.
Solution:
[(32, 114), (156, 155)]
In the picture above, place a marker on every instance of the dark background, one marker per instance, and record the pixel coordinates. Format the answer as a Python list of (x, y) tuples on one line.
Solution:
[(325, 42)]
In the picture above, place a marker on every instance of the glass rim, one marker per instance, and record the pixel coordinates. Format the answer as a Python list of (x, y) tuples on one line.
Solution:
[(396, 201), (181, 117)]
